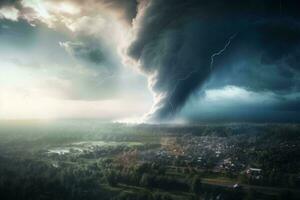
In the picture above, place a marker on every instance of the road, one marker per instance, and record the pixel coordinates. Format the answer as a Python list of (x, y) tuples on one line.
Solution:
[(264, 189)]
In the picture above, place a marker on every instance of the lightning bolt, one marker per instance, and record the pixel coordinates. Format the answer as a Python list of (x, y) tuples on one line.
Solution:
[(227, 44), (221, 51)]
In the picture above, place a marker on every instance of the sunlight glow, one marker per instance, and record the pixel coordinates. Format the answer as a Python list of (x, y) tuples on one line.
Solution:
[(228, 92), (66, 7), (38, 6), (15, 104), (10, 13)]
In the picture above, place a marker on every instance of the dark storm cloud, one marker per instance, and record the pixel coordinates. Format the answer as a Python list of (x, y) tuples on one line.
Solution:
[(93, 53), (177, 40), (9, 2), (265, 57), (81, 50)]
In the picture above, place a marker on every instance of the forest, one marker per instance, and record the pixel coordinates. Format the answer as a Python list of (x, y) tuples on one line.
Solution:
[(60, 160)]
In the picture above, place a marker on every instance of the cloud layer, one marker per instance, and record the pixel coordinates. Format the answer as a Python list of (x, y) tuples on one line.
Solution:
[(183, 47), (179, 44)]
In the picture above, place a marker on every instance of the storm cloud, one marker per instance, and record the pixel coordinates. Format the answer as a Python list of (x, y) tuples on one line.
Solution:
[(93, 54), (9, 2), (182, 44), (185, 49)]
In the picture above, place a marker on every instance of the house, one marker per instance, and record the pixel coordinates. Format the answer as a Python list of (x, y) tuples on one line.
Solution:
[(255, 173)]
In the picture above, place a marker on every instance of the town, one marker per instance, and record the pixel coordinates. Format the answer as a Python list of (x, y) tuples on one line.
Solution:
[(227, 161)]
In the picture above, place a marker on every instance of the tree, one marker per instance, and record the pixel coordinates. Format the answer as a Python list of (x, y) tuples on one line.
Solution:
[(111, 178), (146, 180), (196, 185)]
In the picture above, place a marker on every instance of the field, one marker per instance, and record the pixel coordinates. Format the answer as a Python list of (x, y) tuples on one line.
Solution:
[(85, 159)]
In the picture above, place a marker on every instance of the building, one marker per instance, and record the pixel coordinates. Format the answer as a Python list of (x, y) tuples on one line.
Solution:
[(255, 173)]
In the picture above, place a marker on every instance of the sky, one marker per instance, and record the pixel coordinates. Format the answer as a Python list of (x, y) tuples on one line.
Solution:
[(150, 60)]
